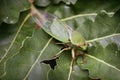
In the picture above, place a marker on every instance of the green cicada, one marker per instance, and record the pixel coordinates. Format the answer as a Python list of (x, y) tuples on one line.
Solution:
[(57, 29)]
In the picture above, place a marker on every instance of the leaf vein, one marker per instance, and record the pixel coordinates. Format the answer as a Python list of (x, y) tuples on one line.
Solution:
[(38, 58), (83, 15), (103, 62), (15, 37), (97, 39)]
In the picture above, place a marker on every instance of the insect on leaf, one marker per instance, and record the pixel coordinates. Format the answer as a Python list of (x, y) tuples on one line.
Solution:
[(57, 29)]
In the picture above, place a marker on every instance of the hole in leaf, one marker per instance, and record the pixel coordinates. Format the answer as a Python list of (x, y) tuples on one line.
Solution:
[(52, 62)]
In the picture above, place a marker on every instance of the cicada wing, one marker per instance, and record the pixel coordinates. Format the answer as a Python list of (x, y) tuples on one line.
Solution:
[(59, 30), (78, 40), (38, 16), (51, 25)]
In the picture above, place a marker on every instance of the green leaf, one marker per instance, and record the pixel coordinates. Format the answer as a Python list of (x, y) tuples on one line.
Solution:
[(95, 6), (103, 62), (62, 69), (15, 45), (106, 31), (39, 72), (10, 10), (102, 26), (57, 29), (8, 33), (102, 59), (28, 48), (31, 46), (81, 7)]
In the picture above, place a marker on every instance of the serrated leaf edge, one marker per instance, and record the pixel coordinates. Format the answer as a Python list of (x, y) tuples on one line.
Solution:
[(26, 18), (14, 55), (4, 64)]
